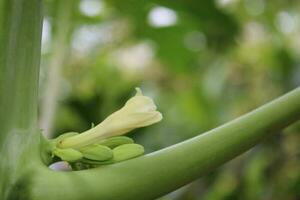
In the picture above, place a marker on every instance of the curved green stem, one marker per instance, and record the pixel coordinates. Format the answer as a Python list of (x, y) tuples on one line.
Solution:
[(158, 173)]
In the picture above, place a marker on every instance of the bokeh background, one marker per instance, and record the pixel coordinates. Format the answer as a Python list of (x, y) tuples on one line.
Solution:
[(203, 62)]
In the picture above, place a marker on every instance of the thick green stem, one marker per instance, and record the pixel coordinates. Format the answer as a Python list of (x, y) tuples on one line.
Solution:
[(20, 34), (156, 174), (19, 63)]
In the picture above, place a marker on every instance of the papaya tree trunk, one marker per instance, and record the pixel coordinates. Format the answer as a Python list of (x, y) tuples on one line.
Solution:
[(20, 35)]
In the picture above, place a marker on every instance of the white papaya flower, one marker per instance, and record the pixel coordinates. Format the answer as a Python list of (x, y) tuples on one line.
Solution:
[(139, 111)]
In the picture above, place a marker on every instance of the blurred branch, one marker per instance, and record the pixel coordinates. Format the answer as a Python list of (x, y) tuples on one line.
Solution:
[(161, 172), (62, 24)]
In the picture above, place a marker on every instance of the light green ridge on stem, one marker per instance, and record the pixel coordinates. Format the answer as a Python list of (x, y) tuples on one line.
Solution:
[(158, 173)]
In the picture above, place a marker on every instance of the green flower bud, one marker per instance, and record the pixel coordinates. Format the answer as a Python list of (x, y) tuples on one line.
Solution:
[(64, 136), (127, 151), (96, 162), (97, 152), (116, 141), (69, 155)]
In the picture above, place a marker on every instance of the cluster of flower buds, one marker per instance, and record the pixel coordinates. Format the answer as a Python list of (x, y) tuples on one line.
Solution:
[(103, 144)]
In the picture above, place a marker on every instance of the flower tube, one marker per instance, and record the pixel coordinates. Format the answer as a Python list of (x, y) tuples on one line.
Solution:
[(139, 111)]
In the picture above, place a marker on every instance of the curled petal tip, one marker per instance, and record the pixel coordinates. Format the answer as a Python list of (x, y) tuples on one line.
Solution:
[(138, 92), (159, 117)]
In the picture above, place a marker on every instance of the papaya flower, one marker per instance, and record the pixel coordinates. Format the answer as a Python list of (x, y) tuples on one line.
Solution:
[(139, 111)]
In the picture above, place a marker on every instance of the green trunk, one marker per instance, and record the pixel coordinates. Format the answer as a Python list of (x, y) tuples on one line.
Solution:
[(20, 35)]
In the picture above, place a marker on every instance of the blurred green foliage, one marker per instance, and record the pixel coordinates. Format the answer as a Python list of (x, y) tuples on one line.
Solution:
[(203, 62)]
